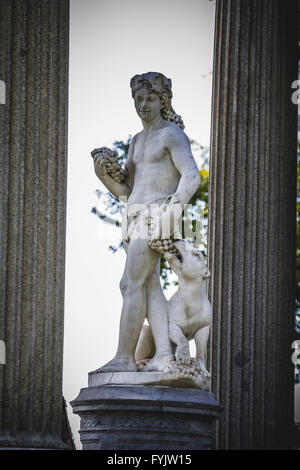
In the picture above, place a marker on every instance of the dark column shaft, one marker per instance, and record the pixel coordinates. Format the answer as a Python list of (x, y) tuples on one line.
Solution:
[(252, 220), (33, 132)]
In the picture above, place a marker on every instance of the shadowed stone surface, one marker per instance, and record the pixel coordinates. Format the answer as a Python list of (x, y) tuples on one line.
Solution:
[(34, 67), (124, 417), (252, 221)]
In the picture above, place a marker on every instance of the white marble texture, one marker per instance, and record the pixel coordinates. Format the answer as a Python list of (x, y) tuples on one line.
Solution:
[(161, 174)]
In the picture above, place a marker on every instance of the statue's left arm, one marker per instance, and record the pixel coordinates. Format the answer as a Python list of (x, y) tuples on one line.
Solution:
[(180, 150)]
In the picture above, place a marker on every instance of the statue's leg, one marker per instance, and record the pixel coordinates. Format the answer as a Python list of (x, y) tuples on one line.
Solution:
[(182, 353), (139, 266), (145, 348), (157, 314), (201, 339)]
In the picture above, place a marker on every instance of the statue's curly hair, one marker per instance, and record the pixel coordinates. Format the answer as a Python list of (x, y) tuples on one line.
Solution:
[(158, 83)]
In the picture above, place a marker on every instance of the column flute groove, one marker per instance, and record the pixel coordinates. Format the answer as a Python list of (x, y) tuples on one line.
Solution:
[(252, 220)]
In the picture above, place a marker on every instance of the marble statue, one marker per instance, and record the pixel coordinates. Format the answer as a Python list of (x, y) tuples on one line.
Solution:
[(159, 179)]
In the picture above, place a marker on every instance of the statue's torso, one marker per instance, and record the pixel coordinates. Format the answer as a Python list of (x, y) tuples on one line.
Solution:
[(156, 176)]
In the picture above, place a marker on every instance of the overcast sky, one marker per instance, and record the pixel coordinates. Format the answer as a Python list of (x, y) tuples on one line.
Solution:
[(110, 41)]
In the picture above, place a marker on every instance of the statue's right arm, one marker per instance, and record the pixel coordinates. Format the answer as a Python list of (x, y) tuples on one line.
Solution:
[(120, 190)]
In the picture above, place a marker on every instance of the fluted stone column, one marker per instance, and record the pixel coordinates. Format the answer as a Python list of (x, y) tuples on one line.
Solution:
[(33, 130), (252, 221)]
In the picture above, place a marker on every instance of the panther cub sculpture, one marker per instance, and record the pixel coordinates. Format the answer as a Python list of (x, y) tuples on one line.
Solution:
[(189, 312)]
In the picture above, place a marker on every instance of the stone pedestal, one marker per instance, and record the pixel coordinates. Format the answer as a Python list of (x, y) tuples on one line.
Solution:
[(129, 417), (252, 221)]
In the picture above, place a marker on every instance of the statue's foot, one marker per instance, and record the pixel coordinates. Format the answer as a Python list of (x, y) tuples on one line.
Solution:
[(142, 363), (158, 363), (118, 365)]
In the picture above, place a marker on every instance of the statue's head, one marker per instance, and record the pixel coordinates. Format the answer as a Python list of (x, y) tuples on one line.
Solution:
[(187, 261), (157, 83)]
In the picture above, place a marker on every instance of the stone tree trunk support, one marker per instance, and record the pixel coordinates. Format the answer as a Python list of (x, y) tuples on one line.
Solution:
[(252, 221), (33, 130)]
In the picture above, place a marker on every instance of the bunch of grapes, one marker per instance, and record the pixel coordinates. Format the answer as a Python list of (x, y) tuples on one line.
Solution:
[(163, 246), (111, 164)]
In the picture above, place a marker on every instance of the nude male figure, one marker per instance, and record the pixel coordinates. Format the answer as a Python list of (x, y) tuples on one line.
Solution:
[(160, 164)]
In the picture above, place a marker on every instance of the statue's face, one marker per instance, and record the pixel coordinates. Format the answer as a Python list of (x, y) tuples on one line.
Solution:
[(147, 104)]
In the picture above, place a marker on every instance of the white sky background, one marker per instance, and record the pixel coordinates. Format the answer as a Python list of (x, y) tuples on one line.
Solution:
[(111, 41)]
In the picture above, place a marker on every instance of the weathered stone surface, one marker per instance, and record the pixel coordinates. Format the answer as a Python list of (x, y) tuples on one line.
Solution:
[(33, 130), (252, 221), (145, 418), (149, 378)]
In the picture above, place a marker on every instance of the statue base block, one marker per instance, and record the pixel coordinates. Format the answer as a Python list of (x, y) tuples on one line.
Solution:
[(149, 378), (138, 417)]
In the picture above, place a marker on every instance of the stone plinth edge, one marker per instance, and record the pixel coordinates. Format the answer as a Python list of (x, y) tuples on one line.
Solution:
[(149, 378)]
